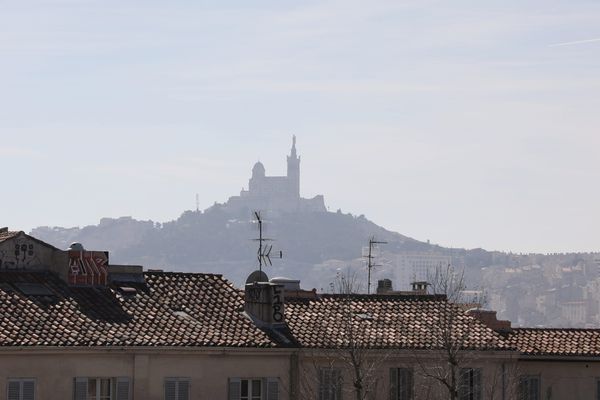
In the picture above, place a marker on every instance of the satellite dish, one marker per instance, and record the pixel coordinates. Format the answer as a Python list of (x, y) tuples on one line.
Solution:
[(76, 247), (257, 276)]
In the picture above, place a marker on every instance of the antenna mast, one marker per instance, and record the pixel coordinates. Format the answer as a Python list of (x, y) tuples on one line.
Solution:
[(197, 202), (370, 257), (264, 251)]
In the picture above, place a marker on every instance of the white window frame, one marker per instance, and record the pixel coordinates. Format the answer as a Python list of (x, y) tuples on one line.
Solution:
[(250, 385), (177, 381), (21, 382)]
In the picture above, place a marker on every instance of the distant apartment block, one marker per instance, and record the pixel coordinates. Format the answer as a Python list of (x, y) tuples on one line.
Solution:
[(416, 267)]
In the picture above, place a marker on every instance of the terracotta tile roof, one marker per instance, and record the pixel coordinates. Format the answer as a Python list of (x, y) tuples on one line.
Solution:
[(544, 341), (173, 309), (380, 321), (5, 235)]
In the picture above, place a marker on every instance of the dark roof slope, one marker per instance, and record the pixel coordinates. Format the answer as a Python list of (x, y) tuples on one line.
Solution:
[(6, 235), (545, 341), (174, 309), (379, 321)]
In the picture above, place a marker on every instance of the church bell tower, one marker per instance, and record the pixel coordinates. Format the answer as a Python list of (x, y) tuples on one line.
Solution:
[(293, 170)]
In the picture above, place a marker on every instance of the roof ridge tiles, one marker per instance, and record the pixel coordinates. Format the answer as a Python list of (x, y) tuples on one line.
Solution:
[(551, 329), (180, 273), (401, 297)]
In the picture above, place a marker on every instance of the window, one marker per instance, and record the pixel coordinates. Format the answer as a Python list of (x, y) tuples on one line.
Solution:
[(330, 384), (529, 387), (20, 389), (101, 388), (253, 389), (401, 384), (470, 384), (177, 388)]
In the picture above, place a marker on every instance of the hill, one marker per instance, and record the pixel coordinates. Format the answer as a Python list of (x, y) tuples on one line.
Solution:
[(529, 289)]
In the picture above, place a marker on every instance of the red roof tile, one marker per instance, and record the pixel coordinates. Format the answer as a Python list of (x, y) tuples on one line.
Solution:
[(174, 309), (545, 341), (379, 321)]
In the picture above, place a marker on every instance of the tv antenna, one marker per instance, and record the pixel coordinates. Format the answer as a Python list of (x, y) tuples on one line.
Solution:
[(370, 257), (264, 250)]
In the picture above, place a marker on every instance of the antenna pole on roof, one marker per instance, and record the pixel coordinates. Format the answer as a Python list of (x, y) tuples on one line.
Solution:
[(370, 257), (264, 251), (197, 202)]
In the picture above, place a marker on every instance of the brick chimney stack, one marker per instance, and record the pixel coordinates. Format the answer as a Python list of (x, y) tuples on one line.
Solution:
[(489, 318)]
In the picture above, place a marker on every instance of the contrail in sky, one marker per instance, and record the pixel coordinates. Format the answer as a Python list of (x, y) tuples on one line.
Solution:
[(575, 42)]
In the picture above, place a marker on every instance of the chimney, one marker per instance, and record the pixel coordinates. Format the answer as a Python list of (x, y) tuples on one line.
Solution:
[(384, 286), (489, 318), (263, 302), (420, 287)]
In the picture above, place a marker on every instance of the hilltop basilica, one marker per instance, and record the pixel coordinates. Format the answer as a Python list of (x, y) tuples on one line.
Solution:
[(275, 193)]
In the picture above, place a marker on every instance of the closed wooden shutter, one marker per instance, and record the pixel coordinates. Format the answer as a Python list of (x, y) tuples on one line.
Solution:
[(464, 384), (28, 392), (123, 389), (235, 388), (272, 388), (14, 390), (337, 380), (529, 388), (170, 389), (183, 389), (477, 384), (393, 383), (405, 384), (80, 388), (535, 388), (330, 384)]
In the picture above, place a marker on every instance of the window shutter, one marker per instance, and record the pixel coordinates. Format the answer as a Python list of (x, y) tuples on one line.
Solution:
[(393, 383), (170, 388), (123, 388), (80, 388), (272, 388), (323, 384), (28, 390), (235, 388), (337, 379), (406, 388), (535, 388), (477, 384), (14, 390), (183, 389), (464, 384)]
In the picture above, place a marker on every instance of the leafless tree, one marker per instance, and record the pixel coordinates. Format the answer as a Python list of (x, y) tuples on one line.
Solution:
[(349, 357), (452, 331)]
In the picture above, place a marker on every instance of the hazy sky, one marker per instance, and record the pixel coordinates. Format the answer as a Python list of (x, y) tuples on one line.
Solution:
[(469, 123)]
